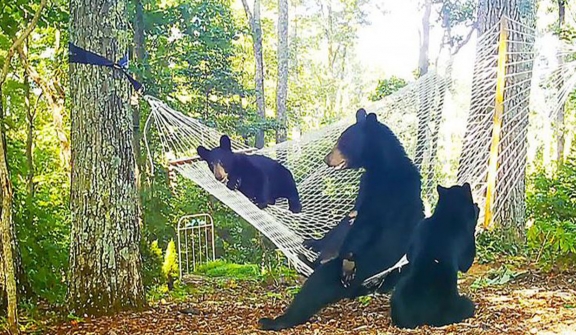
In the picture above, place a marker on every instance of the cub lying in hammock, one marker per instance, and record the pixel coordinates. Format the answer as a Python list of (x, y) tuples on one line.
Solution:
[(259, 178)]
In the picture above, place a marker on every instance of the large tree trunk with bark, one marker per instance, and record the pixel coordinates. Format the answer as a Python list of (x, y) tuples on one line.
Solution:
[(509, 205), (105, 265), (282, 86)]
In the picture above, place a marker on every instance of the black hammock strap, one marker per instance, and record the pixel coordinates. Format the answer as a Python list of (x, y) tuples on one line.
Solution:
[(82, 56)]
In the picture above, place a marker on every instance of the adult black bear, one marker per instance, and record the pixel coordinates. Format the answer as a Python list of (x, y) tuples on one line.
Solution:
[(328, 247), (259, 178), (442, 245), (389, 209)]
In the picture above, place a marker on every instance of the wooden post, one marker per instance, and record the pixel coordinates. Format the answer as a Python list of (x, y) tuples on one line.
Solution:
[(497, 124)]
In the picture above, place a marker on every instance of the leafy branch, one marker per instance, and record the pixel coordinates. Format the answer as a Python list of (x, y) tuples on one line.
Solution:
[(19, 40)]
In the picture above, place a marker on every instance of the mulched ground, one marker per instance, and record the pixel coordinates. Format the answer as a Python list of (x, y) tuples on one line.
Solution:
[(531, 303)]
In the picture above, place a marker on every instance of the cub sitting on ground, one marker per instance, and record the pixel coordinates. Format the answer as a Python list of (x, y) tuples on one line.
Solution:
[(259, 178), (442, 245)]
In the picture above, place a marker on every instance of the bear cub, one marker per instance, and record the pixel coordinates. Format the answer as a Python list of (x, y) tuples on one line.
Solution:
[(442, 245), (260, 178)]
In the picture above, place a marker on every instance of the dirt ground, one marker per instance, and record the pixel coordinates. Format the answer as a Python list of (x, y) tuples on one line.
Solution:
[(529, 303)]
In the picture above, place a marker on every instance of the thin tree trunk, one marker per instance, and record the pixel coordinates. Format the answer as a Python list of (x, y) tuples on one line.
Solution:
[(256, 29), (282, 86), (509, 206), (425, 92), (8, 243), (8, 236), (29, 141), (105, 264), (560, 138), (55, 100), (140, 53)]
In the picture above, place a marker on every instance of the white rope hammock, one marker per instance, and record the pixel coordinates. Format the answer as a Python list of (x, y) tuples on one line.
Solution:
[(328, 195)]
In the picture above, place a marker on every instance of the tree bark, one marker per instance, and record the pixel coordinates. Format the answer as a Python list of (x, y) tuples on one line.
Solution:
[(509, 206), (8, 236), (282, 86), (425, 92), (105, 264), (256, 29), (560, 138)]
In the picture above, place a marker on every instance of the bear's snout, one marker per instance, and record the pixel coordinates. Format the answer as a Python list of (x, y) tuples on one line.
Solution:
[(335, 158), (219, 172)]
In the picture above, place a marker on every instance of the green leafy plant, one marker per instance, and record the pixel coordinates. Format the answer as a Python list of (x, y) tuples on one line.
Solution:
[(170, 266), (551, 204), (500, 276), (386, 87), (230, 270)]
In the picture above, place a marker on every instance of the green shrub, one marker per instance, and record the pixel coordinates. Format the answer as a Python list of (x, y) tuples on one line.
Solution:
[(151, 264), (170, 266), (551, 205)]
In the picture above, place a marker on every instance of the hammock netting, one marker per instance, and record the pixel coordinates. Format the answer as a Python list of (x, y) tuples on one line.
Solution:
[(429, 116)]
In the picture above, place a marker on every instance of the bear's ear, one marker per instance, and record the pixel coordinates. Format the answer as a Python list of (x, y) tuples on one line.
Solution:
[(203, 152), (372, 118), (360, 115), (225, 143), (467, 189), (441, 190)]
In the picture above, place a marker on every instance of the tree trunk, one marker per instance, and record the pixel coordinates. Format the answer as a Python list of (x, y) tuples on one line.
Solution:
[(282, 86), (29, 141), (258, 53), (105, 265), (425, 92), (140, 53), (7, 234), (560, 138), (256, 29), (509, 206)]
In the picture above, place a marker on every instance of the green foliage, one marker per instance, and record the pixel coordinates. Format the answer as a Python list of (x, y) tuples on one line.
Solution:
[(365, 300), (230, 270), (491, 245), (151, 263), (170, 265), (551, 203), (190, 47), (454, 14), (386, 87), (496, 277)]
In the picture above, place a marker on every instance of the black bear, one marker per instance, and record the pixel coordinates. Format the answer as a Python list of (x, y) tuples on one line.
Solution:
[(442, 245), (388, 210), (260, 178), (328, 247)]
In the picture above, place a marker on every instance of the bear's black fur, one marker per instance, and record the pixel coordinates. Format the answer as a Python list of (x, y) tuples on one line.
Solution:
[(389, 209), (260, 178), (328, 247), (442, 245)]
